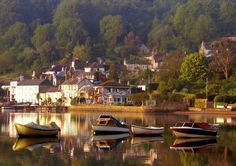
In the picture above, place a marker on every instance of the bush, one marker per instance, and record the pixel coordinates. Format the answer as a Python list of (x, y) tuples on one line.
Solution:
[(175, 97), (77, 100), (200, 103), (225, 99)]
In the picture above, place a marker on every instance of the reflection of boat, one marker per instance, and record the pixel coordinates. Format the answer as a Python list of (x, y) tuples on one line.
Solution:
[(193, 144), (33, 129), (108, 142), (108, 124), (32, 143), (109, 137), (141, 140), (8, 109), (191, 129), (140, 130)]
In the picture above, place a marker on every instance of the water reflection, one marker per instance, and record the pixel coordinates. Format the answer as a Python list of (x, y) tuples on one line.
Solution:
[(78, 147), (194, 144), (33, 143), (146, 139), (108, 142)]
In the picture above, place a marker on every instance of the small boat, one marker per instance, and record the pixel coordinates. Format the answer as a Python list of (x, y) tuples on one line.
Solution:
[(193, 144), (150, 130), (108, 124), (32, 143), (33, 129), (191, 129)]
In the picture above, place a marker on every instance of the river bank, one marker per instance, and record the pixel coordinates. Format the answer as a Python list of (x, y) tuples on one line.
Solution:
[(145, 109), (115, 108)]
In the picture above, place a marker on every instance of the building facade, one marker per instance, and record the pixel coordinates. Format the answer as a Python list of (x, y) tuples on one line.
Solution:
[(111, 92)]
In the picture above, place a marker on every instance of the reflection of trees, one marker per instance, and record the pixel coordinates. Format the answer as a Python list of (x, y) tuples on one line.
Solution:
[(193, 159)]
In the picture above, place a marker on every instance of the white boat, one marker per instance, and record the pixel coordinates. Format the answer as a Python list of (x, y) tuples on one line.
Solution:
[(108, 124), (194, 130), (150, 130)]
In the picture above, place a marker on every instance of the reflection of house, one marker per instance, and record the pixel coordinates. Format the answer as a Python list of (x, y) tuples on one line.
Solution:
[(52, 92), (28, 90), (141, 156), (69, 90), (151, 62), (111, 92)]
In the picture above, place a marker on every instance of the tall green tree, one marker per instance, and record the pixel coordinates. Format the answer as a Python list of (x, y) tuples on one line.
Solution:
[(82, 52), (113, 75), (70, 32), (223, 57), (17, 34), (42, 34), (170, 68), (194, 68), (111, 27)]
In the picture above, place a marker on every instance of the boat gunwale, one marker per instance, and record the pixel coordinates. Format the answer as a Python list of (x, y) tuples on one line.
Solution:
[(194, 128), (49, 129), (147, 128)]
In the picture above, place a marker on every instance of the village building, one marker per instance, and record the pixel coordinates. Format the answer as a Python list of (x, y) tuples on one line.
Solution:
[(111, 92), (151, 62), (69, 90), (27, 90), (86, 91), (50, 94), (205, 49)]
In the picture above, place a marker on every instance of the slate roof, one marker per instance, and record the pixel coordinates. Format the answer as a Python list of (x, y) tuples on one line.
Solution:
[(70, 81), (139, 62), (50, 89), (159, 56), (39, 82), (112, 84)]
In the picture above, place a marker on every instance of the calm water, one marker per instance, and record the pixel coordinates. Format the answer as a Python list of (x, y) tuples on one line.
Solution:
[(77, 146)]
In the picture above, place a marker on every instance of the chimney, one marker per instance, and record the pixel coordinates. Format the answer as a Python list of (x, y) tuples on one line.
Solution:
[(33, 75), (21, 78)]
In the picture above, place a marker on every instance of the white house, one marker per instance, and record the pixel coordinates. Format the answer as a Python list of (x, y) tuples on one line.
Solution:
[(54, 93), (111, 92), (69, 90), (28, 90)]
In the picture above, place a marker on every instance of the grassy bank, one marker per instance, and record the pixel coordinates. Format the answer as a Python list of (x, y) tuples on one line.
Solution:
[(115, 108), (107, 108)]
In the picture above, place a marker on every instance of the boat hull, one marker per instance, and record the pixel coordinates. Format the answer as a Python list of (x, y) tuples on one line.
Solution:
[(139, 130), (109, 129), (24, 131), (193, 132)]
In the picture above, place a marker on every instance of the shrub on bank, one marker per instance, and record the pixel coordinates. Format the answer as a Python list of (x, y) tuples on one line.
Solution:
[(77, 100), (225, 99)]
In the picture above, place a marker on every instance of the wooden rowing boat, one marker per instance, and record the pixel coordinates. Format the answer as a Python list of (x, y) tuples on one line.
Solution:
[(33, 129), (150, 130)]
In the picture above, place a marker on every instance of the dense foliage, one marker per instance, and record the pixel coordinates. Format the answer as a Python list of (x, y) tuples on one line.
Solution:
[(34, 32)]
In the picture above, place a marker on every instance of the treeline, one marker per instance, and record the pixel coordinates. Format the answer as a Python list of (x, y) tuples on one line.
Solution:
[(37, 33)]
